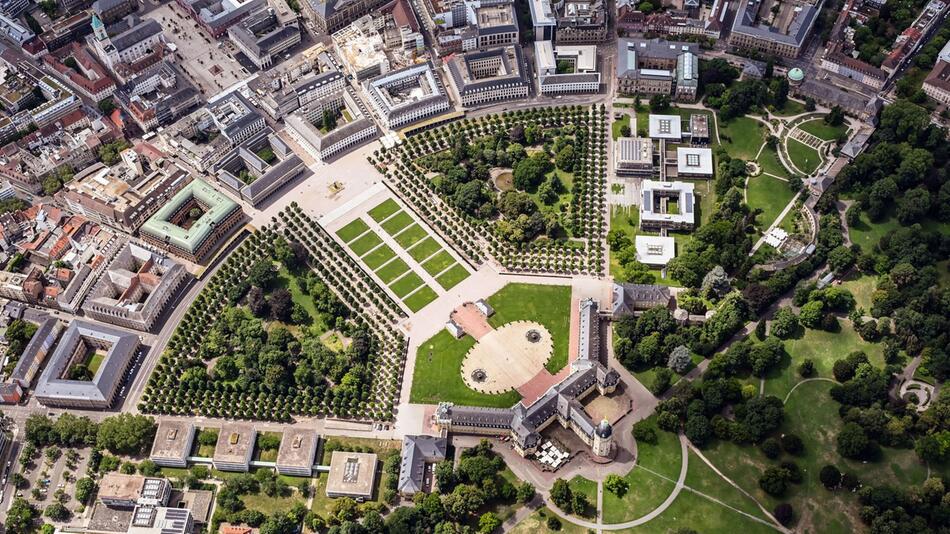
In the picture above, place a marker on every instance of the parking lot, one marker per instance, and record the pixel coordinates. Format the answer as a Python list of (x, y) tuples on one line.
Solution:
[(47, 475), (208, 64)]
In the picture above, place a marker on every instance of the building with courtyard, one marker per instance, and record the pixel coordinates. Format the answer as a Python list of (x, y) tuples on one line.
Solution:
[(350, 128), (352, 474), (172, 444), (194, 222), (658, 67), (262, 37), (297, 451), (31, 360), (87, 367), (581, 21), (633, 299), (216, 16), (669, 205), (419, 456), (633, 156), (244, 171), (234, 448), (408, 95), (486, 76), (566, 68), (779, 28)]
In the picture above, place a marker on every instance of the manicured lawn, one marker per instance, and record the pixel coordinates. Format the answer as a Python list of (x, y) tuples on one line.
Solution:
[(706, 204), (742, 137), (420, 298), (289, 281), (95, 361), (425, 248), (618, 124), (702, 478), (548, 305), (536, 523), (823, 348), (771, 195), (410, 236), (438, 263), (437, 375), (770, 163), (392, 270), (452, 277), (406, 284), (819, 128), (803, 156), (862, 287), (268, 505), (868, 234), (791, 107), (352, 230), (365, 244), (378, 256), (397, 222), (587, 488), (383, 210)]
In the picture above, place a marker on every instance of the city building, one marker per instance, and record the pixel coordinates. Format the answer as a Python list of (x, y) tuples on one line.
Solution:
[(244, 171), (127, 41), (543, 20), (331, 15), (782, 32), (135, 288), (161, 520), (656, 66), (28, 365), (352, 474), (13, 8), (350, 130), (110, 11), (670, 205), (419, 456), (487, 76), (937, 83), (234, 448), (496, 23), (631, 299), (193, 223), (157, 95), (581, 21), (566, 68), (235, 117), (14, 30), (61, 32), (118, 490), (466, 25), (89, 77), (262, 37), (216, 16), (297, 452), (654, 251), (693, 162), (85, 349), (633, 156), (284, 95), (172, 444), (405, 96)]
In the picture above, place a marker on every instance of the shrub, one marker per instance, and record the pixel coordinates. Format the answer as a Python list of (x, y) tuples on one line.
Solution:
[(806, 368), (794, 472), (645, 431), (771, 448), (774, 481), (830, 477), (553, 523), (784, 513), (792, 444)]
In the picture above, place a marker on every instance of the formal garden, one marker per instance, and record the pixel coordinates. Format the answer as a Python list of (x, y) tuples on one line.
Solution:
[(527, 186)]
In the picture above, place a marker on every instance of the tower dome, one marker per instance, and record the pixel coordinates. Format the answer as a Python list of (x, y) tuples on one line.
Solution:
[(604, 430), (796, 76)]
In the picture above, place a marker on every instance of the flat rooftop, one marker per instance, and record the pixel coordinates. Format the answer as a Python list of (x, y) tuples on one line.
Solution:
[(665, 127), (352, 474), (655, 250), (298, 446), (691, 160), (121, 487), (235, 444), (172, 440)]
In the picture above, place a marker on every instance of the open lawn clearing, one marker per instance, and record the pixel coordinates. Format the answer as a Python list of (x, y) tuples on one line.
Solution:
[(548, 305), (406, 284), (366, 243), (588, 488), (383, 210), (397, 222), (618, 124), (742, 137), (292, 283), (862, 287), (392, 270), (536, 523), (352, 230), (452, 277), (410, 236), (437, 376), (868, 234), (425, 248), (438, 263), (269, 505), (420, 298), (790, 108), (707, 199), (703, 479), (822, 130), (378, 256), (768, 160), (823, 348), (771, 195), (804, 157)]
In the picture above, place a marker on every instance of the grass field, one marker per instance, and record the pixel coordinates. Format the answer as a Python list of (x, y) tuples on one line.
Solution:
[(364, 244), (437, 378), (270, 505), (862, 287), (420, 298), (406, 284), (803, 156), (536, 523), (410, 236), (438, 263), (397, 222), (790, 108), (378, 256), (819, 128), (771, 195), (548, 305), (618, 124), (742, 137), (392, 270), (452, 277), (352, 230), (588, 488), (423, 249), (95, 361), (383, 210), (868, 234), (768, 160)]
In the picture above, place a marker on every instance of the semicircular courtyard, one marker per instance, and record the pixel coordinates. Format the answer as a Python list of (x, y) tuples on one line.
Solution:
[(504, 358)]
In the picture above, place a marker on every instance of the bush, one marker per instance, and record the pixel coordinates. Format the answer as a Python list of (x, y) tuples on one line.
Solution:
[(661, 381), (830, 477), (771, 448), (794, 472), (774, 481), (792, 444), (645, 431), (553, 523), (806, 368)]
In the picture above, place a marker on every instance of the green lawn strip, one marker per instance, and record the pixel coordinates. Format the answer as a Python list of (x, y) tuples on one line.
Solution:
[(790, 108), (438, 263), (420, 298), (703, 479), (548, 305), (618, 124), (867, 233), (693, 511), (588, 488), (822, 130), (366, 243), (536, 523), (706, 203), (771, 195), (383, 210), (425, 248), (410, 236), (378, 256), (823, 348), (392, 270), (290, 282), (804, 157), (397, 222), (352, 230), (862, 287), (452, 277), (437, 376), (269, 505), (406, 284), (768, 160), (94, 362), (742, 137)]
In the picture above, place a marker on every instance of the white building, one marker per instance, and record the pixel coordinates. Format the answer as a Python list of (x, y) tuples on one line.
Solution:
[(633, 156), (670, 205), (655, 251), (402, 97), (566, 68), (666, 127), (694, 162)]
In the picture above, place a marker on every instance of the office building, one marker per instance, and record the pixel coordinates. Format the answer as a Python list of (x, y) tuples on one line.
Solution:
[(172, 444), (655, 66), (234, 448), (262, 37), (297, 452), (670, 205), (487, 76), (633, 156), (352, 474), (782, 33), (405, 96), (566, 68)]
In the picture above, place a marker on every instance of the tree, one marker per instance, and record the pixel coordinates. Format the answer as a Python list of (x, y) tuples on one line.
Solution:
[(811, 313), (698, 430), (784, 324), (852, 441), (526, 492), (659, 102), (806, 368), (616, 484), (774, 481), (126, 433), (329, 120), (51, 184), (809, 104), (280, 303), (565, 158), (57, 512), (830, 477), (553, 523), (488, 522), (471, 196), (20, 516), (106, 106), (662, 379), (784, 513), (561, 494), (85, 487), (771, 448), (529, 172), (716, 283), (840, 259), (835, 117), (792, 444), (579, 504), (680, 360), (913, 205)]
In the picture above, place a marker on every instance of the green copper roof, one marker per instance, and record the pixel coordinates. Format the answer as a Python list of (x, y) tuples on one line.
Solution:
[(219, 207), (796, 75)]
